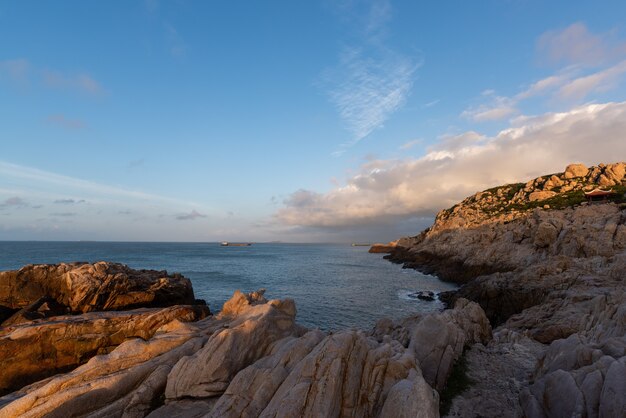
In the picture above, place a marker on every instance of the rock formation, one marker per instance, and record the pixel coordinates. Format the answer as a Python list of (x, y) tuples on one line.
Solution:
[(84, 287), (254, 360), (39, 337), (34, 350), (548, 268)]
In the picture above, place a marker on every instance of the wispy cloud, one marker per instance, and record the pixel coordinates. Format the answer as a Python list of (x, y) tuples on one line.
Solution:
[(135, 163), (499, 108), (175, 43), (369, 90), (21, 71), (190, 216), (410, 144), (598, 82), (371, 81), (388, 191), (79, 82), (593, 64), (69, 201), (576, 45), (13, 202), (64, 214), (431, 103), (64, 122), (16, 70), (45, 180), (152, 6)]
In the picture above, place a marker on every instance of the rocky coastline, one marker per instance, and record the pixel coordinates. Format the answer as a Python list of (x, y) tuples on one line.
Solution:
[(550, 274), (537, 329)]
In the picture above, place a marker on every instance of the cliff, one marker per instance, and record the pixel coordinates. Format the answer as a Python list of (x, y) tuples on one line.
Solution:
[(548, 268)]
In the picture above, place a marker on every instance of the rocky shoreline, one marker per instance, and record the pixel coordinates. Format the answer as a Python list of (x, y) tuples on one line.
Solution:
[(552, 283), (537, 329)]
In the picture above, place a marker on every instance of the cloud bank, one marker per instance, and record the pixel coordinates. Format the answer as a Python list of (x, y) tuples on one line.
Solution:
[(388, 191)]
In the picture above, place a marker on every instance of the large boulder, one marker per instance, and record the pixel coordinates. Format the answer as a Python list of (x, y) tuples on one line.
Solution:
[(540, 195), (101, 286), (575, 170)]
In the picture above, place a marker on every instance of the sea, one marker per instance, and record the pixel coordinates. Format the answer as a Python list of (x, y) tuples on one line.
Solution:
[(335, 286)]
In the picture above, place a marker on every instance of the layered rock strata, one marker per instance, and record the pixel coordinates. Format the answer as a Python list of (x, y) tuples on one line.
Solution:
[(56, 317), (34, 350), (254, 360)]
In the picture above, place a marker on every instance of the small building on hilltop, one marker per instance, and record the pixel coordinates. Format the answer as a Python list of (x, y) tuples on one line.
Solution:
[(598, 195)]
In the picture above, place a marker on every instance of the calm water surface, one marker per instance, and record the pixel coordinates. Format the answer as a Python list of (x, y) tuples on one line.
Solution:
[(334, 286)]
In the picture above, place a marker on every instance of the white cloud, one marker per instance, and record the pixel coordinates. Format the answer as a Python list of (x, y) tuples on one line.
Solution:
[(393, 190)]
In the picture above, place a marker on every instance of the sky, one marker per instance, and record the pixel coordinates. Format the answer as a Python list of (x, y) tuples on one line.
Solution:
[(317, 121)]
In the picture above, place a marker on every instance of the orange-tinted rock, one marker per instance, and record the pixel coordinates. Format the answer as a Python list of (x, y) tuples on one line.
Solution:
[(38, 349), (101, 286), (383, 248)]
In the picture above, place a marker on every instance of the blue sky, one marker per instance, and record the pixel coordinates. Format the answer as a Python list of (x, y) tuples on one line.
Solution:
[(295, 121)]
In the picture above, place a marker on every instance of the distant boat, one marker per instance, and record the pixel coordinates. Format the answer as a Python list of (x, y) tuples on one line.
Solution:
[(235, 244), (358, 244)]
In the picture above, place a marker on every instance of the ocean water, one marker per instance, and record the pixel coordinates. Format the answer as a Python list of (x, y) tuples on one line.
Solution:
[(334, 286)]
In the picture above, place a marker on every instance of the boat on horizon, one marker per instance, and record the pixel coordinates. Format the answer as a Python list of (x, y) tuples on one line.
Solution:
[(360, 244), (235, 244)]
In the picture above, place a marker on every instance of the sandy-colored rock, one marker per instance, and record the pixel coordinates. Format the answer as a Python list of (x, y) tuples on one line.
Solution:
[(367, 371), (575, 170), (252, 389), (411, 398), (253, 361), (540, 195), (240, 302), (248, 338), (34, 350), (127, 382), (552, 182)]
